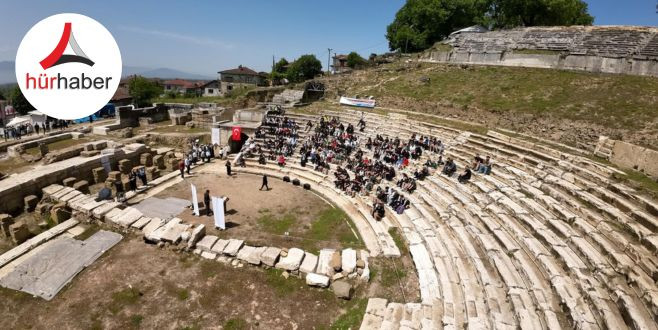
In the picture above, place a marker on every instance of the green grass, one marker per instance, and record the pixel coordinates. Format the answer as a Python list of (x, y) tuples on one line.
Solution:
[(615, 101), (353, 316), (123, 298), (640, 181), (282, 286), (183, 294), (390, 275), (399, 241), (220, 100), (92, 229), (332, 223), (236, 324), (136, 320), (276, 225)]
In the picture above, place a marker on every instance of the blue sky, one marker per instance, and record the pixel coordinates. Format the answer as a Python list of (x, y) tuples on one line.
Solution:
[(207, 36)]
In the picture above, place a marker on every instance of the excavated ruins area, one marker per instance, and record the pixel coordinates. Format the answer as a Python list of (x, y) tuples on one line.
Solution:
[(547, 240)]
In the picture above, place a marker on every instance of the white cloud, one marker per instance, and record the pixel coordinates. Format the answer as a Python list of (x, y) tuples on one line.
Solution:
[(203, 41)]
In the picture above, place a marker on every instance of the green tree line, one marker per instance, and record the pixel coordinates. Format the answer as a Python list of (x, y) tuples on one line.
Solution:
[(421, 23)]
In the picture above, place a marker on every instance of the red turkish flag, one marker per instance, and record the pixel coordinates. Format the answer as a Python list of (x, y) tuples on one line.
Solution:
[(236, 132)]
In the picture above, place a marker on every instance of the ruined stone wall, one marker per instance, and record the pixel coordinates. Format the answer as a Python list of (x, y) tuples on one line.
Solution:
[(635, 157), (633, 66), (15, 187), (615, 49)]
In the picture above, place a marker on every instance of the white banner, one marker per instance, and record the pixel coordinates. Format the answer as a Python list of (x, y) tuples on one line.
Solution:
[(218, 212), (195, 202), (363, 103), (214, 136)]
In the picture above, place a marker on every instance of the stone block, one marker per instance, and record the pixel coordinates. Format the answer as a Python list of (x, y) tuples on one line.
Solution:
[(114, 175), (309, 263), (270, 256), (319, 280), (88, 147), (335, 262), (159, 162), (251, 254), (172, 164), (146, 159), (30, 202), (125, 165), (59, 213), (99, 145), (233, 247), (90, 153), (342, 289), (292, 261), (152, 173), (99, 174), (125, 183), (324, 260), (219, 246), (348, 260), (43, 207), (82, 186), (206, 243), (6, 220), (19, 232), (68, 182), (196, 235)]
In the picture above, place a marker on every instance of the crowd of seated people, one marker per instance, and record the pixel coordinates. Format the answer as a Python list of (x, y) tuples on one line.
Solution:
[(407, 183), (393, 199)]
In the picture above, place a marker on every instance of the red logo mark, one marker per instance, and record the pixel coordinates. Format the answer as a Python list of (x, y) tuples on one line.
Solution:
[(58, 57)]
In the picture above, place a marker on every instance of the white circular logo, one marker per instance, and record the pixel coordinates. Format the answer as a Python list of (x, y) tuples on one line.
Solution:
[(68, 66)]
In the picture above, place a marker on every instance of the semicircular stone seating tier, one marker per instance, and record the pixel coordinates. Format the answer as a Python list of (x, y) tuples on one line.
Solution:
[(546, 241)]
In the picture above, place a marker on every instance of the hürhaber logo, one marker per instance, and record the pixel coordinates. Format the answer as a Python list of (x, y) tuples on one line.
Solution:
[(68, 66)]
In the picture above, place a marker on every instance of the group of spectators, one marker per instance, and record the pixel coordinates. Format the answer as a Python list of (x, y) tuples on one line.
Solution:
[(334, 142), (18, 131)]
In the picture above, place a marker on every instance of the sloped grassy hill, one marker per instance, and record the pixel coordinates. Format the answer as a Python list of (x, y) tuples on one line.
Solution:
[(571, 107)]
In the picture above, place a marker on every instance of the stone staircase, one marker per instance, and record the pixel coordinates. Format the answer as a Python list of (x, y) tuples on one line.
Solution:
[(547, 240)]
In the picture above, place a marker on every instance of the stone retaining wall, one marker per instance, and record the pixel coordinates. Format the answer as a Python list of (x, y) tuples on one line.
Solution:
[(633, 66), (14, 188)]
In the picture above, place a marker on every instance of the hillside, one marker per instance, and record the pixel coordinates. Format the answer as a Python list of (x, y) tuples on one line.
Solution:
[(570, 107)]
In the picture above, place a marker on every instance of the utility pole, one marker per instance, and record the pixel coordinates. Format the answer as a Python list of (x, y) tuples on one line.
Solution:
[(329, 60)]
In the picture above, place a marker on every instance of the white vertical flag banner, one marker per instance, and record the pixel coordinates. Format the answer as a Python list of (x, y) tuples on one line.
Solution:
[(214, 136), (218, 212), (195, 202)]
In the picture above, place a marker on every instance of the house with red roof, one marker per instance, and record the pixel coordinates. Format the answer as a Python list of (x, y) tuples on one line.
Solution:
[(240, 77)]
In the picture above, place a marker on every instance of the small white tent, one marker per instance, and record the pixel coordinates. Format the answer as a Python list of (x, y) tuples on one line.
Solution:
[(19, 120)]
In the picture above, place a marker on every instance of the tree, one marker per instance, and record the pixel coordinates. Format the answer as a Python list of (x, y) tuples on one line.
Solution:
[(19, 102), (421, 23), (304, 68), (354, 60), (506, 13), (279, 71), (281, 65), (143, 90)]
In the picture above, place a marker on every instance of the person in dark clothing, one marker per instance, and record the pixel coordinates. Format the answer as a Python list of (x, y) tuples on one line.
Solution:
[(264, 183), (464, 177), (118, 185), (228, 167), (449, 168), (206, 201), (181, 167), (36, 128), (141, 174), (133, 180)]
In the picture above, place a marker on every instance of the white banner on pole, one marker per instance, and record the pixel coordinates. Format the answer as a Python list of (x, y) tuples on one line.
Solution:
[(214, 136), (195, 202), (218, 212)]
